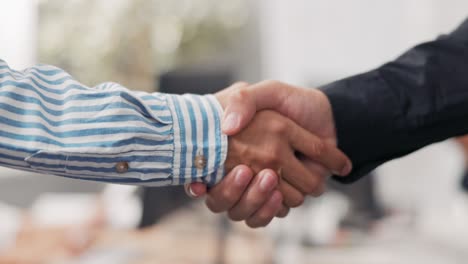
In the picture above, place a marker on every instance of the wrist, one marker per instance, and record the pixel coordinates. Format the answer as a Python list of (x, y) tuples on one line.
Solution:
[(223, 98), (328, 121), (200, 147)]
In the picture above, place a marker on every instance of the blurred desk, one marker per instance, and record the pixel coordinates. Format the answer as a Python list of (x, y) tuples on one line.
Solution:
[(187, 236), (190, 236)]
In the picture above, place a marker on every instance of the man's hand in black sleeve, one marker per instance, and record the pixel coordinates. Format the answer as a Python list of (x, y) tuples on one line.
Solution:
[(418, 99)]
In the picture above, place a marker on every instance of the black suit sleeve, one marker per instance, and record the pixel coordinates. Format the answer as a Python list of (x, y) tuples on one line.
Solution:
[(418, 99)]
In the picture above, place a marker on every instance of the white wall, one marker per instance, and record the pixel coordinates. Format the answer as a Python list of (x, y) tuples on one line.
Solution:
[(311, 42), (18, 32), (317, 41)]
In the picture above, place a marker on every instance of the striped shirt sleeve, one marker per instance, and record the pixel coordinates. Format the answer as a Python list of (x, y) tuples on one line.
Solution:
[(50, 123)]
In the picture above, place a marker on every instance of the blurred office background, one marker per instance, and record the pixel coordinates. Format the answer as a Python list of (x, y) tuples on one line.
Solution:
[(412, 210)]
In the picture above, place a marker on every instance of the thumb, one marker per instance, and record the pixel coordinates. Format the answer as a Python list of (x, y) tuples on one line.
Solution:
[(239, 110), (195, 190), (243, 101), (237, 116)]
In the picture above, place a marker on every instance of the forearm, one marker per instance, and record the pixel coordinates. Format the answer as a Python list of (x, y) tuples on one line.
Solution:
[(52, 124), (418, 99)]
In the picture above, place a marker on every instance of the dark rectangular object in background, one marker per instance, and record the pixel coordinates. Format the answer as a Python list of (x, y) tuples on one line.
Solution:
[(197, 81)]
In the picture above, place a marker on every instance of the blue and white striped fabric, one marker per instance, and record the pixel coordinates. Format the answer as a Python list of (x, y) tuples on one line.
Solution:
[(50, 123)]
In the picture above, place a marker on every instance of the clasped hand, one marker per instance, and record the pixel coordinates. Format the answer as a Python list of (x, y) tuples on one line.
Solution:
[(281, 148)]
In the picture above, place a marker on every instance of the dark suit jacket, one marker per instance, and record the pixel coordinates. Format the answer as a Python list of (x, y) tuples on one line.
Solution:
[(418, 99)]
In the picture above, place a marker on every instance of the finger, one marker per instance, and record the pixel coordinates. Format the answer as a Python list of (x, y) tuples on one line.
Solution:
[(256, 195), (227, 193), (300, 178), (291, 196), (283, 212), (319, 190), (321, 172), (267, 212), (315, 167), (240, 109), (316, 149), (195, 190)]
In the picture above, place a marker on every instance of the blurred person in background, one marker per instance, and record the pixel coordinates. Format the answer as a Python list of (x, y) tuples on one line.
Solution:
[(402, 106)]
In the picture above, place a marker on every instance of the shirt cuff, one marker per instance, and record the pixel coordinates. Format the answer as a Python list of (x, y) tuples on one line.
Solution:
[(363, 122), (200, 148)]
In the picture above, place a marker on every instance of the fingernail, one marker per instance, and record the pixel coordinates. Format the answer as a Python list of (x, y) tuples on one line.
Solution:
[(267, 183), (239, 178), (231, 122), (191, 192), (347, 169)]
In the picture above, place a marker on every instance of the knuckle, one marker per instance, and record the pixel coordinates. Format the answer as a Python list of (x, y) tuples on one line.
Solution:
[(264, 217), (296, 201), (269, 157), (212, 207), (250, 224), (312, 186), (283, 213), (318, 148), (227, 196), (309, 188), (277, 149), (234, 216), (272, 159), (254, 203), (278, 127), (318, 191), (242, 93), (254, 224)]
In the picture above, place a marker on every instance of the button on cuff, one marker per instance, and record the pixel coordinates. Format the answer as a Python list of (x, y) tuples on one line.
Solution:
[(200, 161), (121, 167)]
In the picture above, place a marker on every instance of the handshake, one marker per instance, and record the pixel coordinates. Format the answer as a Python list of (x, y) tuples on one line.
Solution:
[(282, 147)]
